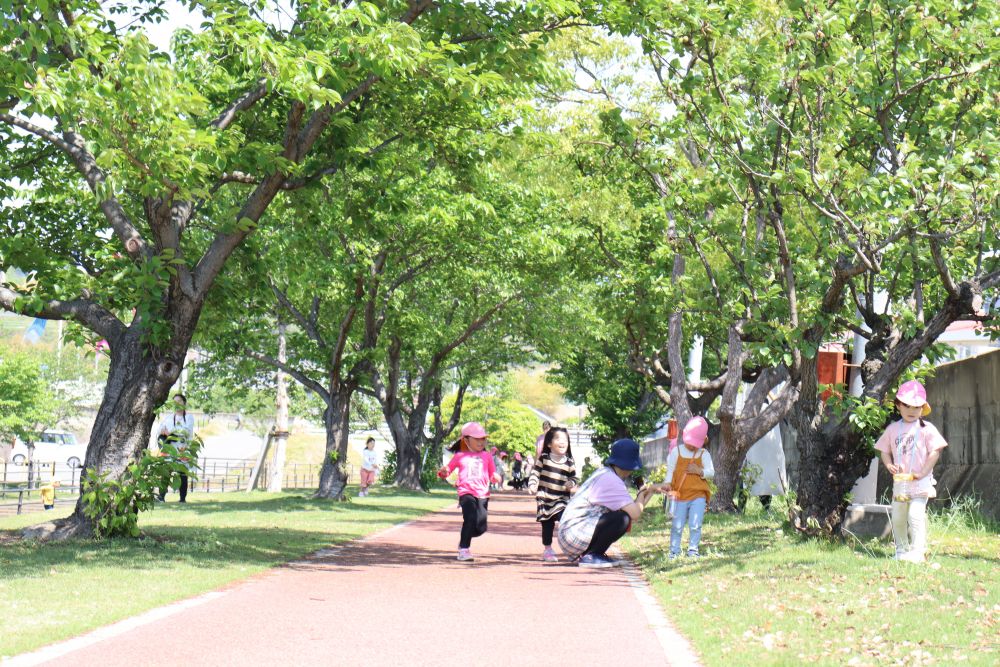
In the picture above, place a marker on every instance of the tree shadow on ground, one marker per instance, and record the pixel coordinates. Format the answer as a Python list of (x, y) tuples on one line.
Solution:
[(166, 549), (361, 555)]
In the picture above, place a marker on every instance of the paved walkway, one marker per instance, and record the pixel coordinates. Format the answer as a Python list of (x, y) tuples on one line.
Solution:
[(400, 598)]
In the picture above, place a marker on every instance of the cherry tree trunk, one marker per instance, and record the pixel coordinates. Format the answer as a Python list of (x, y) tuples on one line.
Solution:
[(336, 419), (407, 438), (139, 381), (832, 458), (728, 460)]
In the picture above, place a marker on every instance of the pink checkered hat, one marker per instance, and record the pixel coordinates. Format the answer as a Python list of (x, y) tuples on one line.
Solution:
[(912, 393), (695, 432), (474, 430)]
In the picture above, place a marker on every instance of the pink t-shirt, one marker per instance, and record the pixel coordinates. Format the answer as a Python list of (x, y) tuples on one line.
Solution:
[(475, 470), (910, 445), (610, 491)]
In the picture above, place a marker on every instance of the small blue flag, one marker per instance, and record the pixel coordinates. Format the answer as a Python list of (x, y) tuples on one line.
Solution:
[(35, 331)]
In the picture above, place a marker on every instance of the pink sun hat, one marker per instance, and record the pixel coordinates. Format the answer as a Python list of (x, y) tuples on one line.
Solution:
[(912, 393), (474, 430), (695, 432)]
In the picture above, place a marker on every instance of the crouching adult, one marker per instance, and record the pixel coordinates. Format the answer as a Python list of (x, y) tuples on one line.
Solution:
[(602, 510)]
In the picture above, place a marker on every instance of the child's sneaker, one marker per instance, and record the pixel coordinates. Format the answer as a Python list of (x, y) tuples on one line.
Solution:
[(465, 554), (595, 561), (693, 554), (912, 557), (549, 556)]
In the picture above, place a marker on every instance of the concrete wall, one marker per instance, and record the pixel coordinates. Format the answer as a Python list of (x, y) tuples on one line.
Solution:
[(965, 397)]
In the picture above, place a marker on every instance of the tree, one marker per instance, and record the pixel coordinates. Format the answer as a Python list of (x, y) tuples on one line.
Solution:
[(789, 182), (507, 264), (512, 427), (26, 405), (620, 402), (147, 172)]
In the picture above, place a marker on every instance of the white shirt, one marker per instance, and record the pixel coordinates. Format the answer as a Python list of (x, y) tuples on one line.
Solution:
[(182, 425), (705, 461), (369, 459)]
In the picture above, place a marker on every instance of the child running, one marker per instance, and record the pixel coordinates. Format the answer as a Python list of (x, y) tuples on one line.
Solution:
[(369, 465), (552, 481), (688, 468), (475, 473), (909, 449)]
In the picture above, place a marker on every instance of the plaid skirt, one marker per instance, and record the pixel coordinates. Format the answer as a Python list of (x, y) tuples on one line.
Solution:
[(576, 530)]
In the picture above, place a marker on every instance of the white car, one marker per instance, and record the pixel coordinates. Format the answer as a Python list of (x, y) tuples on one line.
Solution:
[(58, 446)]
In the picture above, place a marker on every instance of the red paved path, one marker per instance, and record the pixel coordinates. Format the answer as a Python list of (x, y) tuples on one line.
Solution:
[(401, 598)]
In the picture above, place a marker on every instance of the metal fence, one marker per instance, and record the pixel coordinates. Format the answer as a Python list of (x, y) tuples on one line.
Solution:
[(20, 483), (221, 475)]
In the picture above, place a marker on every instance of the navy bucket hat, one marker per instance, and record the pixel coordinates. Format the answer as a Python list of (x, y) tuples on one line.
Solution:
[(625, 455)]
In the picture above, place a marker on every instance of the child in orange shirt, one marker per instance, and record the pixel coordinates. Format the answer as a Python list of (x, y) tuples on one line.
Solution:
[(689, 466), (48, 494)]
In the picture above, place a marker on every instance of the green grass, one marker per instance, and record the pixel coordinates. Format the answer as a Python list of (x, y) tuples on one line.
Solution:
[(761, 595), (51, 592)]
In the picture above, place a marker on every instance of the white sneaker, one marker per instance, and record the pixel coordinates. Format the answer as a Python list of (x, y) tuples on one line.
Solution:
[(465, 554), (912, 557)]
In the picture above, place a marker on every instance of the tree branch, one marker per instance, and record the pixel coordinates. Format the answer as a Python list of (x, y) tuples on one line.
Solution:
[(299, 376), (74, 146), (95, 317), (244, 102)]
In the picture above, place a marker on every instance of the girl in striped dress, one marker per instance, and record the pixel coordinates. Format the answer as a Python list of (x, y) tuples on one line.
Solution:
[(552, 481)]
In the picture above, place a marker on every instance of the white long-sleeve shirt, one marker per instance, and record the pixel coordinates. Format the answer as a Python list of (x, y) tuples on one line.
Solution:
[(369, 459), (183, 425), (705, 461)]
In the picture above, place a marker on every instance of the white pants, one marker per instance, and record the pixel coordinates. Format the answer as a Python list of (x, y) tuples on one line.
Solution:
[(909, 526)]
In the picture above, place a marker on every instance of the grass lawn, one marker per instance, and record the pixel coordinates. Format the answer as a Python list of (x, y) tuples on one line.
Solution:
[(51, 592), (760, 595)]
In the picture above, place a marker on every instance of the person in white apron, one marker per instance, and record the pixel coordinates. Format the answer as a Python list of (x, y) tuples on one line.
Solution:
[(180, 425)]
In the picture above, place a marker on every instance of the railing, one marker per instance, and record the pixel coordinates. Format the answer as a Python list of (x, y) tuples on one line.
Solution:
[(23, 481), (19, 483), (217, 474)]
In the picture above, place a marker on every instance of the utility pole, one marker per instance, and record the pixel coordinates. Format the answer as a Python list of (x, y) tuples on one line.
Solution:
[(281, 415)]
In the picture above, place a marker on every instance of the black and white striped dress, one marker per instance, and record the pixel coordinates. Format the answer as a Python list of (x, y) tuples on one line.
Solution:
[(548, 483)]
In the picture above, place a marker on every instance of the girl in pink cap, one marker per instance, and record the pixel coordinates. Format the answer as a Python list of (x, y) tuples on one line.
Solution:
[(689, 466), (476, 471), (909, 449)]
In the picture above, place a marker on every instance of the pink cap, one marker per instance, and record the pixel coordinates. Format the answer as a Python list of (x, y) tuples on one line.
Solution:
[(474, 430), (912, 393), (695, 432)]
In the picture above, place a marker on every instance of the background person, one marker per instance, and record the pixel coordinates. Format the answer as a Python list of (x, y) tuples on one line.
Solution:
[(179, 426), (369, 466), (546, 425)]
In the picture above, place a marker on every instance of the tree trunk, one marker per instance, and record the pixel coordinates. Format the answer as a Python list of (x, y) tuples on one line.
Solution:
[(727, 460), (336, 418), (407, 438), (138, 383), (833, 457)]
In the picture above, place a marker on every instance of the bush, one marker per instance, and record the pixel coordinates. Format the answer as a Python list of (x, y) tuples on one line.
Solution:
[(114, 505)]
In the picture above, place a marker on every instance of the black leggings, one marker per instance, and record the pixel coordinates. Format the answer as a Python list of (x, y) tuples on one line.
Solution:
[(183, 489), (473, 518), (548, 528), (610, 528)]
